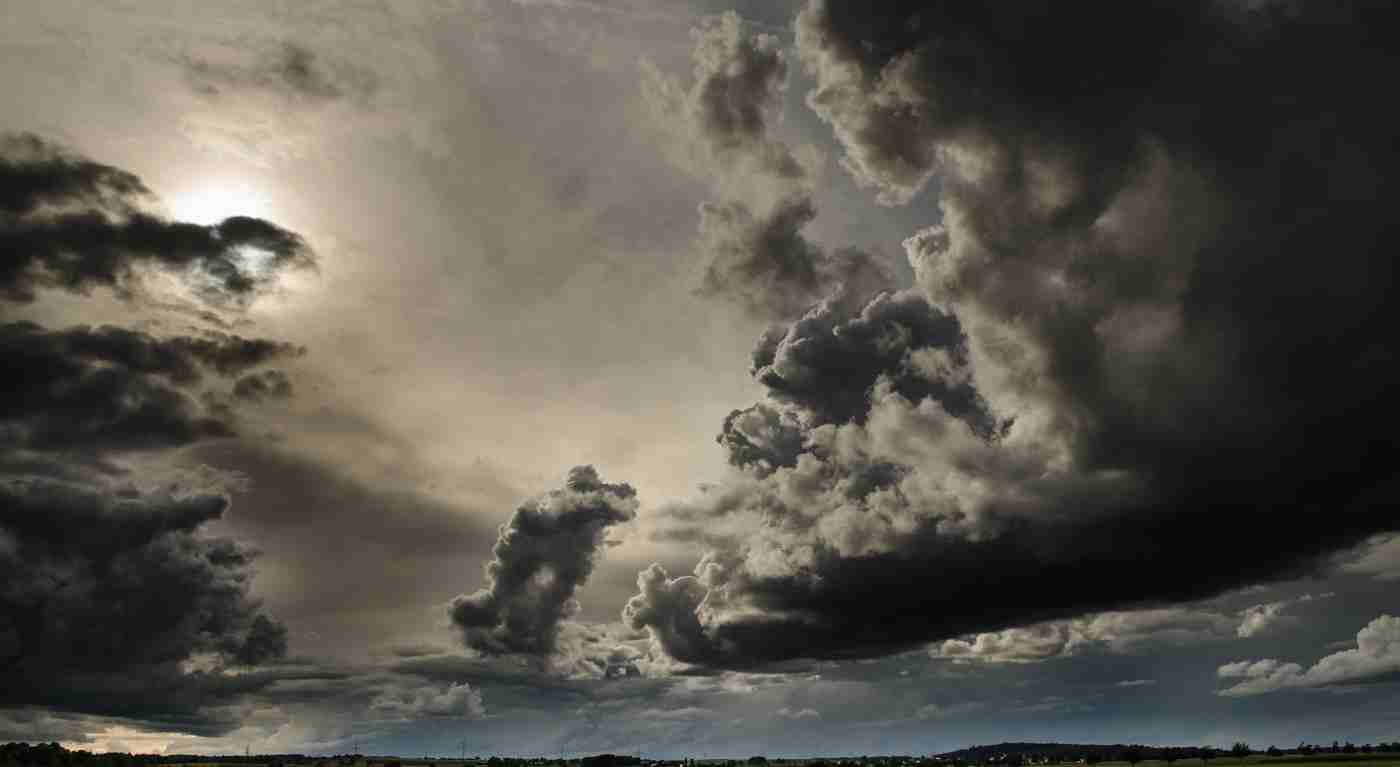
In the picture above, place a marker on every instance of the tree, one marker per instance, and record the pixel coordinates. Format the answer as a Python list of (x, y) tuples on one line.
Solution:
[(1240, 749), (1170, 755), (1132, 755), (1273, 751), (1206, 754)]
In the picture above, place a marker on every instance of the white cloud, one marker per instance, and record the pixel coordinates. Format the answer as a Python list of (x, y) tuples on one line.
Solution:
[(799, 713), (1136, 683), (1111, 631), (949, 710), (456, 701), (1117, 631), (1260, 618), (1376, 657), (1379, 558)]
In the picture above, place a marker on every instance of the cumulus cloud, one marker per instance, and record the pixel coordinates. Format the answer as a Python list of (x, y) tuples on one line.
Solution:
[(1111, 632), (71, 224), (1376, 658), (1262, 618), (544, 553), (828, 362), (761, 438), (1141, 353), (1118, 631), (165, 594), (454, 701)]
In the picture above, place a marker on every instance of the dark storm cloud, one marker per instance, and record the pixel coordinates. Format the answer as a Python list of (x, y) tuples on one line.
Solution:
[(288, 68), (827, 362), (767, 267), (1133, 239), (761, 438), (71, 224), (108, 388), (544, 554), (34, 173), (105, 594)]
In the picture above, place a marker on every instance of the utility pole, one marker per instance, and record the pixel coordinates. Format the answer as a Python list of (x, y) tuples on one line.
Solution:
[(463, 746)]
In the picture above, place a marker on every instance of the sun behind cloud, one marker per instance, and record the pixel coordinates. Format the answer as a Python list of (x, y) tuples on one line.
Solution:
[(209, 201)]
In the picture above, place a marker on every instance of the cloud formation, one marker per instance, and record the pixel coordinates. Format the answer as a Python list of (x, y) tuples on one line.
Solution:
[(115, 600), (1120, 632), (1376, 658), (287, 68), (267, 384), (73, 558), (767, 267), (71, 224), (826, 363), (1112, 631), (1142, 354), (93, 390), (756, 256), (544, 553), (455, 701), (728, 113)]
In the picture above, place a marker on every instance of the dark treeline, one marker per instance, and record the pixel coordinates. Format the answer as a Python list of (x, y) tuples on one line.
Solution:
[(1002, 754), (1062, 753), (54, 755)]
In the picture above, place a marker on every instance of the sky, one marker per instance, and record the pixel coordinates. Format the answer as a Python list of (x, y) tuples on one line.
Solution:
[(694, 377)]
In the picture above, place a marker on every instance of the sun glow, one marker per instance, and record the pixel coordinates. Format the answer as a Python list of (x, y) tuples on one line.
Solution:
[(212, 201)]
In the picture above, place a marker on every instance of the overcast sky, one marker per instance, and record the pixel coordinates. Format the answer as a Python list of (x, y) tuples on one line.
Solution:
[(696, 377)]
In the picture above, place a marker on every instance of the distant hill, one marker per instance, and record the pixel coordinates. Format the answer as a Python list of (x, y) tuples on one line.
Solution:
[(1065, 752), (1032, 754)]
